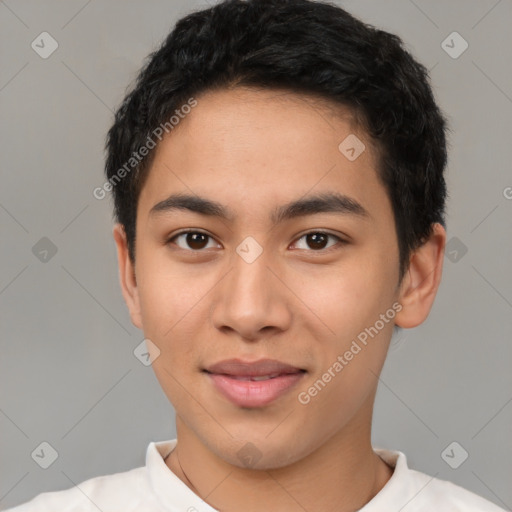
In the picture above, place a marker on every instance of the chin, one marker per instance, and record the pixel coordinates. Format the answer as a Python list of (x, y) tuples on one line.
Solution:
[(261, 452)]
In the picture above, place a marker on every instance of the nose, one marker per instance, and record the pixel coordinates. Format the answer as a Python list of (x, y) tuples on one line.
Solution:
[(251, 301)]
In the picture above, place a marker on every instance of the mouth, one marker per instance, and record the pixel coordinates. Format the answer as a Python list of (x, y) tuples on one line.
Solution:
[(255, 378), (253, 384)]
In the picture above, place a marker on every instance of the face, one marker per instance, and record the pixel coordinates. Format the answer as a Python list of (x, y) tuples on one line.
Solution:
[(298, 285)]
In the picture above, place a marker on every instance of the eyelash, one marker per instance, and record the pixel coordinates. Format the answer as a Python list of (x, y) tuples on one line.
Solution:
[(340, 241)]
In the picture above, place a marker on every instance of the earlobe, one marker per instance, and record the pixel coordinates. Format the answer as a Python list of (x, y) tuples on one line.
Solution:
[(421, 281), (127, 276)]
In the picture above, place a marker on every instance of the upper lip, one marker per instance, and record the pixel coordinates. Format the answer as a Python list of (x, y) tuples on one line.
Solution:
[(238, 367)]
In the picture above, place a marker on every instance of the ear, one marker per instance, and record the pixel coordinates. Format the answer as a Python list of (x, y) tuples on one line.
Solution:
[(127, 275), (420, 283)]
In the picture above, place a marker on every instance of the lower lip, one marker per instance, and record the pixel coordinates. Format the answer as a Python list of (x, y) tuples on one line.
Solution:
[(251, 393)]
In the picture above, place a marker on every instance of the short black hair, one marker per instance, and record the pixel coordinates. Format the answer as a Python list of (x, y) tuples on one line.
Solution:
[(305, 47)]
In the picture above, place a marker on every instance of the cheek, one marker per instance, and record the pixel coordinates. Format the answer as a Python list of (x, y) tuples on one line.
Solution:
[(348, 297), (170, 294), (172, 312), (349, 301)]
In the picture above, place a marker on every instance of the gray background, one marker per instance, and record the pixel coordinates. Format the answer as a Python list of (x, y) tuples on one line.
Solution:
[(68, 375)]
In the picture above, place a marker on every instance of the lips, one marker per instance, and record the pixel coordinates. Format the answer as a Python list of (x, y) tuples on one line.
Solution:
[(253, 384), (257, 370)]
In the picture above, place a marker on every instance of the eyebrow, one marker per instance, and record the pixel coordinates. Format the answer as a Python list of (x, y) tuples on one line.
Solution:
[(321, 203)]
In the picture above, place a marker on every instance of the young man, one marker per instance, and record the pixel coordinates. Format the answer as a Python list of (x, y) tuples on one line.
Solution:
[(278, 181)]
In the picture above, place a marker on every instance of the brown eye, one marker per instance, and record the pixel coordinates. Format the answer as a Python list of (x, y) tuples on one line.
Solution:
[(318, 240), (192, 240)]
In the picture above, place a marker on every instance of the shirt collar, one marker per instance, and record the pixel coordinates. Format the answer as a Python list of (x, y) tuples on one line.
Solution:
[(172, 493), (399, 489), (175, 495)]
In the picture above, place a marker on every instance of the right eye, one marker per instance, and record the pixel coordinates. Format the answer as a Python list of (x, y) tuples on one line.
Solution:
[(195, 240)]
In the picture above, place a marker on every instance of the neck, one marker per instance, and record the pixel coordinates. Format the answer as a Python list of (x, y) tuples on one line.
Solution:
[(343, 474)]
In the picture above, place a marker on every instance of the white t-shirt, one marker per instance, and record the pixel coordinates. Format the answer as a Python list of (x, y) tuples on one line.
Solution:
[(155, 488)]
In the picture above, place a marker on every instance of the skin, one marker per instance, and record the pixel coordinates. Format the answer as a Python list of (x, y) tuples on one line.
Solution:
[(253, 150)]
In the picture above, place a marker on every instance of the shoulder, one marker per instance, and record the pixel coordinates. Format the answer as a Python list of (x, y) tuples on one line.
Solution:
[(415, 491), (445, 495), (129, 491), (118, 491)]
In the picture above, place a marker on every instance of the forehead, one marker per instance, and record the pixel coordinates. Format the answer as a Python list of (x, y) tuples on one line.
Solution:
[(253, 148)]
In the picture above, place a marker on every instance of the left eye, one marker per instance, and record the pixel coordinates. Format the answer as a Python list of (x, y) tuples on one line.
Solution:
[(197, 240), (317, 240)]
